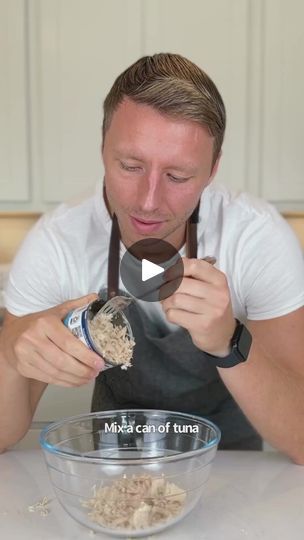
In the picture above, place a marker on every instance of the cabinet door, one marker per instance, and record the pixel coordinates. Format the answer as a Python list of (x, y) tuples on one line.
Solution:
[(215, 36), (14, 160), (81, 46), (283, 110)]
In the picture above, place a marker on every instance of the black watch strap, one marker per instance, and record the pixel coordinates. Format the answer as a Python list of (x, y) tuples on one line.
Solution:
[(240, 347)]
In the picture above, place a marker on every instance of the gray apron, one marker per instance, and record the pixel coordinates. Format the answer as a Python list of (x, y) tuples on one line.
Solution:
[(168, 371)]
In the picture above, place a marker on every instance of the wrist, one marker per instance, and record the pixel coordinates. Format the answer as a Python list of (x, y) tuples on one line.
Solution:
[(8, 359), (7, 367), (240, 347), (225, 348), (219, 353)]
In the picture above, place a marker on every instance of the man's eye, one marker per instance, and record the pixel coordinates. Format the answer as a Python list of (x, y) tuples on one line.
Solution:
[(129, 168), (178, 179)]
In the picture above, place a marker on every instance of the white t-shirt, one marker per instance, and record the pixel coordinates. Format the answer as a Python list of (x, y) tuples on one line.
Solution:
[(65, 256)]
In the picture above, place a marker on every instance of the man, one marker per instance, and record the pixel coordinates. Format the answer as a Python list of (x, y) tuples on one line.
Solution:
[(164, 123)]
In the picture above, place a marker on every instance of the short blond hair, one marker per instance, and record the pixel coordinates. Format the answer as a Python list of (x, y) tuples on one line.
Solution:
[(174, 86)]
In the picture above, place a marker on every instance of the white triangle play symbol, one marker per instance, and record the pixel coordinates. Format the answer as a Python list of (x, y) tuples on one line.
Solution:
[(150, 270)]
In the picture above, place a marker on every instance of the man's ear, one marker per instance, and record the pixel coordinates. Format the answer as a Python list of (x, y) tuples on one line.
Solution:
[(215, 168)]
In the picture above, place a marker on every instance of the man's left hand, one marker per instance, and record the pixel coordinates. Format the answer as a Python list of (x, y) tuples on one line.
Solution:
[(202, 305)]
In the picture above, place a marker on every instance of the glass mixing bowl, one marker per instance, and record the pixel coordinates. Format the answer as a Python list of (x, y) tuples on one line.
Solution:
[(129, 472)]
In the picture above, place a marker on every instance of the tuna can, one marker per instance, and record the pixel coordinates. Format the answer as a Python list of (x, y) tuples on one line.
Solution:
[(78, 322)]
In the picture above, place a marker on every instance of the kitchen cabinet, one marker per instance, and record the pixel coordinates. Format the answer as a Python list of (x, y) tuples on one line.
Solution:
[(282, 156), (60, 57), (80, 47), (215, 36), (14, 125)]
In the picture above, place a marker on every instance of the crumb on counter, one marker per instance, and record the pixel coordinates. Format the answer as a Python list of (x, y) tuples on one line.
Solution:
[(41, 507)]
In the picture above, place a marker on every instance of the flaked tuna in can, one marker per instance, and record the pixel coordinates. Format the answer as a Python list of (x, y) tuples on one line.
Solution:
[(110, 336)]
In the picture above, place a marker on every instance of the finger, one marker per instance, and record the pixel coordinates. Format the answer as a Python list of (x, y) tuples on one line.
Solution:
[(190, 286), (67, 342), (187, 320), (168, 289), (54, 375), (33, 372), (210, 260), (213, 296), (184, 302), (63, 309), (202, 270), (39, 375), (177, 270), (65, 363)]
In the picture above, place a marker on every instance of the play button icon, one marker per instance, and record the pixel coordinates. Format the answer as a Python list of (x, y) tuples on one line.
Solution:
[(150, 270), (144, 270)]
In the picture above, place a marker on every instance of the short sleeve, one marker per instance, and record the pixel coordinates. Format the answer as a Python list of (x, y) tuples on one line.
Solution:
[(34, 279), (271, 278)]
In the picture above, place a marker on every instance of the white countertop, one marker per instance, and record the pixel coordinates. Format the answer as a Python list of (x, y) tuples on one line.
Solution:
[(251, 495)]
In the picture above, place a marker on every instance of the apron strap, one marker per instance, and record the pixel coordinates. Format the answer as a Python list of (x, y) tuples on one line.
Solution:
[(113, 261), (191, 234)]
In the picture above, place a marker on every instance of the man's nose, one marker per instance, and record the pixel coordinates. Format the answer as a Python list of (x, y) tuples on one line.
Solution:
[(151, 191)]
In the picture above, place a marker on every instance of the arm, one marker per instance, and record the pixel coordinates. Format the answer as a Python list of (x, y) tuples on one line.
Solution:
[(18, 398), (269, 386), (37, 350)]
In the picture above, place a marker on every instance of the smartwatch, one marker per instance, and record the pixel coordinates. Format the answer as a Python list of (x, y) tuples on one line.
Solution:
[(240, 347)]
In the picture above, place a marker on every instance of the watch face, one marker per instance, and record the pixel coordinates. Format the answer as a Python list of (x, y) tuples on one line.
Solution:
[(243, 342)]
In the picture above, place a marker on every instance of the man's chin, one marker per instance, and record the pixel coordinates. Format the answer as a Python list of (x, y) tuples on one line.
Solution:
[(130, 239), (130, 235)]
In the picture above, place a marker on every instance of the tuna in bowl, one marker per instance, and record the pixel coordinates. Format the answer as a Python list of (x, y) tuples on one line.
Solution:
[(129, 472)]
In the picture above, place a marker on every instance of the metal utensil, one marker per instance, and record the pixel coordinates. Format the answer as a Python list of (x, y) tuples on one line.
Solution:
[(119, 303), (210, 260)]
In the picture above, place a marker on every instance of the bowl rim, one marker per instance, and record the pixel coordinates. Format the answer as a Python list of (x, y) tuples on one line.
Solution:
[(47, 447)]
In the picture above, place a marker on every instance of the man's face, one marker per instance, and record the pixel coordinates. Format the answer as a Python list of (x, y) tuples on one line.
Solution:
[(156, 168)]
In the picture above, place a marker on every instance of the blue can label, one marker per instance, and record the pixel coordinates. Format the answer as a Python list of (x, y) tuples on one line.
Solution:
[(75, 321)]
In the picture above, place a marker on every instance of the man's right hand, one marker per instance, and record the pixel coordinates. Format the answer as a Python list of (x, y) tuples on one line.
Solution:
[(40, 347)]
